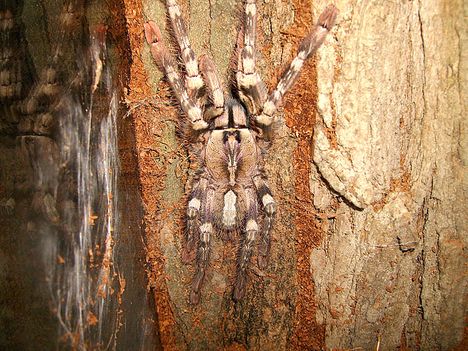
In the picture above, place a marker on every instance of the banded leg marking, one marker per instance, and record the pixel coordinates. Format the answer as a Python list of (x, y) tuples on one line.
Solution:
[(269, 209), (203, 255), (245, 253), (252, 90), (203, 251), (167, 65), (193, 212), (214, 87), (307, 48), (193, 81)]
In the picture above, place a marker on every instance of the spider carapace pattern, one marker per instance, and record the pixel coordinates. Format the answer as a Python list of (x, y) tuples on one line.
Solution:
[(230, 190)]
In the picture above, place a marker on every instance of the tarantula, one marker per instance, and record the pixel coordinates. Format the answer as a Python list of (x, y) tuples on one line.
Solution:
[(230, 191)]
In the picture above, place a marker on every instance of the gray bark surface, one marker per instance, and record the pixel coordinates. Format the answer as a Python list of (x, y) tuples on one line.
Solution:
[(392, 91)]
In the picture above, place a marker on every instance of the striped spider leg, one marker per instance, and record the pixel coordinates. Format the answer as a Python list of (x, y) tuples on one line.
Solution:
[(252, 90), (307, 48), (186, 91), (253, 93), (168, 65)]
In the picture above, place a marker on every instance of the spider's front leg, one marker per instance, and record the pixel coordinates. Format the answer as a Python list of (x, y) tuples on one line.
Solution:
[(252, 90), (194, 81), (214, 87), (167, 65), (307, 48)]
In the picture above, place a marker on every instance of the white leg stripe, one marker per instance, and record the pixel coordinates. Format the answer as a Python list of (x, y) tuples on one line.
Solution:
[(194, 82), (194, 113), (264, 119), (251, 225), (194, 203), (280, 88), (199, 125), (251, 9), (174, 11), (297, 63), (206, 228), (218, 98), (172, 76), (249, 66), (267, 199), (269, 108), (247, 80), (277, 95)]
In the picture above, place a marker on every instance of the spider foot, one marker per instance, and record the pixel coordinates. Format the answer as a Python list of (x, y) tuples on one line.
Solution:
[(194, 297), (152, 32), (196, 287), (262, 261), (239, 286), (328, 17), (158, 49), (188, 254), (264, 251)]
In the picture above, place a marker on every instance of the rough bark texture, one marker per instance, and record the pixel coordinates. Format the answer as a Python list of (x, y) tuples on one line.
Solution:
[(369, 172)]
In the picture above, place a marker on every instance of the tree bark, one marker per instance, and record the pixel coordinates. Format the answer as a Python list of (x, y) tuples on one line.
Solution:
[(369, 172)]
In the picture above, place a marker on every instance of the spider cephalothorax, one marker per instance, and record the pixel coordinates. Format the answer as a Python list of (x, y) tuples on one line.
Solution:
[(230, 191)]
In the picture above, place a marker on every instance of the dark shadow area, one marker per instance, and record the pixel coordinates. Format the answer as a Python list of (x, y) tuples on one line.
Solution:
[(72, 254)]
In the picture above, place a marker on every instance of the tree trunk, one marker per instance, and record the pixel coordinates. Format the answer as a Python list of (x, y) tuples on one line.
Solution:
[(369, 172)]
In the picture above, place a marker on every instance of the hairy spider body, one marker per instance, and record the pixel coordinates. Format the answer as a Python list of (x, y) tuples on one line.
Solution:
[(226, 194), (230, 191)]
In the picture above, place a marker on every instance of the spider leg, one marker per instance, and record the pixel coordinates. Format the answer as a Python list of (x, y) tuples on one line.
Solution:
[(193, 211), (269, 209), (307, 48), (203, 251), (194, 81), (245, 253), (252, 90), (167, 65), (214, 87)]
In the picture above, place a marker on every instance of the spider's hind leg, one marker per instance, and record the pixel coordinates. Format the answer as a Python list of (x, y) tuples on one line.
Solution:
[(193, 212), (251, 230), (269, 209), (204, 246)]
